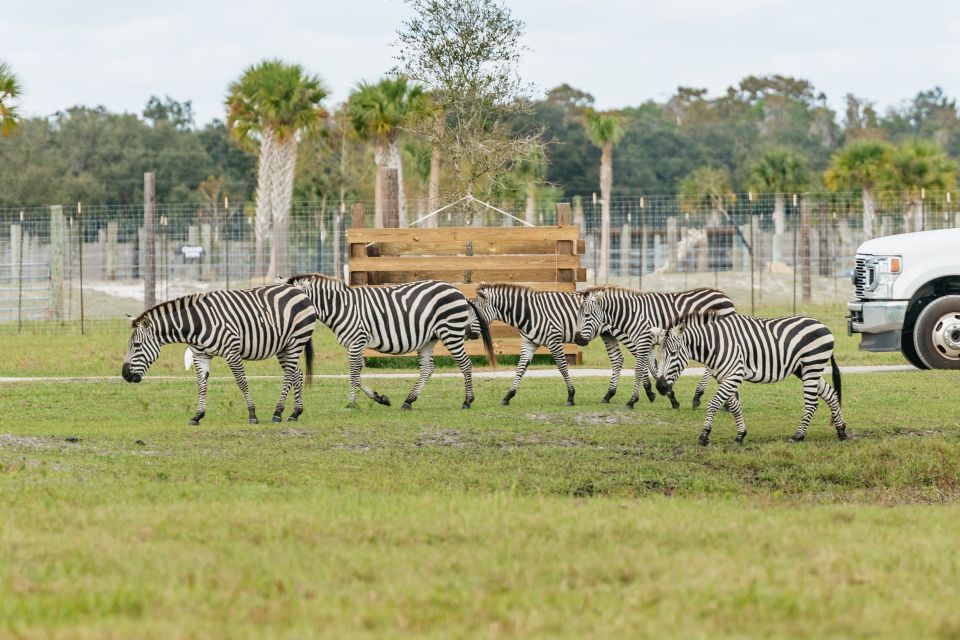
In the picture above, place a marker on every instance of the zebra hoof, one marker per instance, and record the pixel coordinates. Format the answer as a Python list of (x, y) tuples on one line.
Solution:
[(406, 405), (277, 418), (704, 439), (630, 403), (696, 403), (505, 402), (674, 404), (465, 405), (796, 438), (384, 400), (651, 396), (253, 421), (292, 419), (605, 400), (193, 423), (842, 435), (570, 403), (739, 439)]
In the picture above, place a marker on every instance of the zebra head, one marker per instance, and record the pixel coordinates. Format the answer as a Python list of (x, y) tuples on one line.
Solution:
[(323, 292), (142, 349), (590, 318), (485, 303), (674, 356)]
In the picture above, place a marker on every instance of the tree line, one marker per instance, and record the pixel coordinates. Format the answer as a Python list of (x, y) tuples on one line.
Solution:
[(452, 118)]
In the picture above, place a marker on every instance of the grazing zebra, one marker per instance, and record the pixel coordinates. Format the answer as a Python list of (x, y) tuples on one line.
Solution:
[(397, 319), (251, 324), (738, 348), (544, 318), (629, 315)]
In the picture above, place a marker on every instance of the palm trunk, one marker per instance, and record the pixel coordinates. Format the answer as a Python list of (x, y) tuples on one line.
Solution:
[(779, 225), (395, 161), (606, 186), (531, 203), (378, 156), (285, 172), (265, 195), (869, 215), (433, 194)]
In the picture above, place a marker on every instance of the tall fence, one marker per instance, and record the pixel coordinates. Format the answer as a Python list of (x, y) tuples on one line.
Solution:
[(60, 265)]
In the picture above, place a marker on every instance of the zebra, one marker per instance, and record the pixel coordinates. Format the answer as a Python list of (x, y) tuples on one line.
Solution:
[(629, 315), (547, 318), (397, 319), (740, 348), (251, 324)]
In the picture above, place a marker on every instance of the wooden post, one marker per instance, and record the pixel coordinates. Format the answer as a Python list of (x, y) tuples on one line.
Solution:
[(358, 249), (390, 189), (337, 258), (565, 247), (672, 239), (58, 232), (149, 251), (563, 214)]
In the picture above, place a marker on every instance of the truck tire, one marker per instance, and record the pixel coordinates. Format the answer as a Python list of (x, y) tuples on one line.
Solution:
[(909, 351), (936, 334)]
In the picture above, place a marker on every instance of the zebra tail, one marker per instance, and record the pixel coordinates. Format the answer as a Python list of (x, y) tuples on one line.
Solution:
[(836, 377), (485, 334), (308, 357)]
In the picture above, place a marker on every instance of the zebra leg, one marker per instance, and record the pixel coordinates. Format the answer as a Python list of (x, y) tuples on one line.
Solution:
[(236, 366), (289, 364), (616, 364), (201, 363), (425, 356), (701, 387), (298, 396), (355, 360), (556, 350), (728, 388), (811, 398), (454, 345), (642, 353), (829, 396), (527, 349), (733, 405)]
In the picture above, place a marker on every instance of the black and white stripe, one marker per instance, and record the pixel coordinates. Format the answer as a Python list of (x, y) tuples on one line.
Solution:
[(629, 315), (396, 319), (742, 348), (543, 318), (251, 324)]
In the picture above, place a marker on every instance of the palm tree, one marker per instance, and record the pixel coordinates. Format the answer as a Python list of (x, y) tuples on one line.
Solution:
[(529, 171), (377, 113), (779, 171), (863, 164), (274, 103), (605, 131), (915, 166), (10, 90)]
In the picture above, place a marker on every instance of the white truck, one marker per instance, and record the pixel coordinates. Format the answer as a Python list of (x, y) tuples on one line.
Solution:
[(908, 297)]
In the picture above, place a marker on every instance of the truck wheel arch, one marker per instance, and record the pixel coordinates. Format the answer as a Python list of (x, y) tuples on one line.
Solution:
[(924, 295)]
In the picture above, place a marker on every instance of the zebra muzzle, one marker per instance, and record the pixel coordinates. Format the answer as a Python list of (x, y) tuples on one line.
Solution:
[(128, 376), (579, 340), (662, 387)]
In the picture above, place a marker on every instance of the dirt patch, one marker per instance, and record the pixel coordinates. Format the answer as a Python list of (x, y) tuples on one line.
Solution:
[(448, 438), (538, 439), (20, 443), (588, 418)]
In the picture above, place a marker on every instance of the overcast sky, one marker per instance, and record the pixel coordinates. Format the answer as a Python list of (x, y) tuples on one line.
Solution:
[(623, 52)]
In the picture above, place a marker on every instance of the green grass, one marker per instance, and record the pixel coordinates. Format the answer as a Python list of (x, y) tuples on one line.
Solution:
[(531, 520)]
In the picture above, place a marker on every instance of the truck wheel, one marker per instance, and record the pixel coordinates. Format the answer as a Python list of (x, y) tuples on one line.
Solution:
[(936, 334), (909, 351)]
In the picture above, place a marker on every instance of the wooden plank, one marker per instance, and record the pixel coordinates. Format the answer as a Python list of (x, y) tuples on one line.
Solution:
[(483, 275), (478, 248), (463, 263), (464, 234)]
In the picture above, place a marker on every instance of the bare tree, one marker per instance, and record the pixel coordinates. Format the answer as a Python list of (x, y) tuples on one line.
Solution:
[(466, 52)]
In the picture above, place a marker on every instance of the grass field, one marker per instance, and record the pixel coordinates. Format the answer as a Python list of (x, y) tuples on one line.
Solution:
[(532, 520)]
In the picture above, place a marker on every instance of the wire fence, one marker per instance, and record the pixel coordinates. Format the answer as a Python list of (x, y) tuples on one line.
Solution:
[(61, 266)]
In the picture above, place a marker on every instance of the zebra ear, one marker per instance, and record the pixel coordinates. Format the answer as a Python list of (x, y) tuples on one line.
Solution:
[(145, 323), (657, 333)]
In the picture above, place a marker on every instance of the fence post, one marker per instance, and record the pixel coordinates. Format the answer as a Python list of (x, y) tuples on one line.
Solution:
[(357, 249), (625, 241), (390, 188), (149, 251), (563, 214), (110, 247), (58, 230), (805, 251), (565, 247), (672, 239)]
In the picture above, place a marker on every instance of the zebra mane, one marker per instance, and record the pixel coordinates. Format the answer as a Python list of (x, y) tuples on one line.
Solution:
[(695, 317), (505, 286), (190, 297), (313, 276), (601, 288)]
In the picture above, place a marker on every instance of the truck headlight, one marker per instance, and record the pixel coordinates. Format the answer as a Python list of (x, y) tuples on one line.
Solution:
[(881, 273)]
